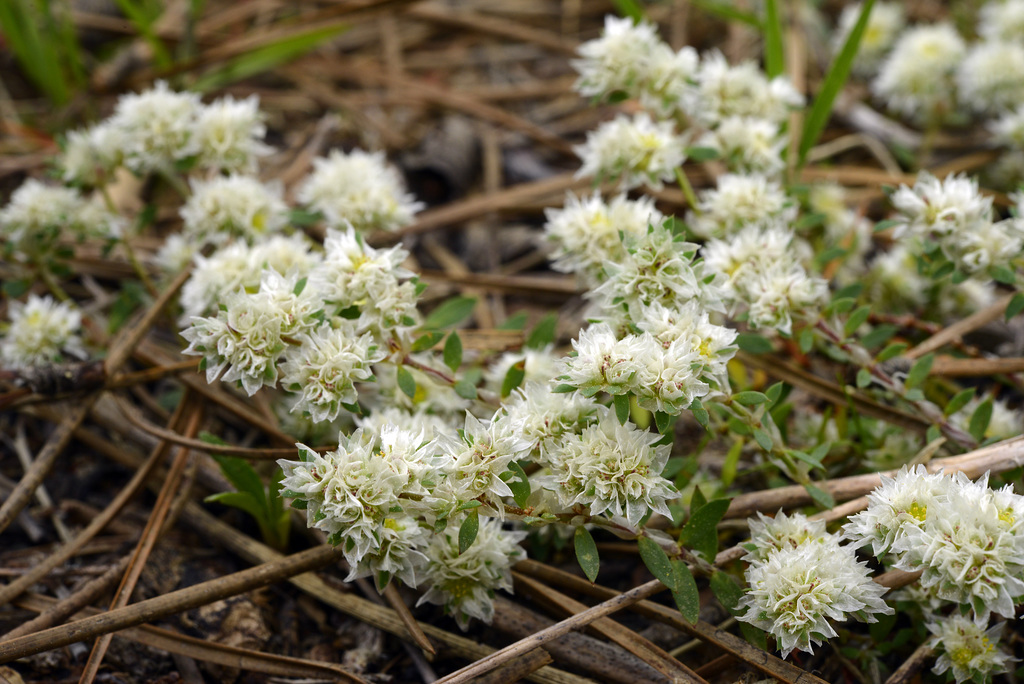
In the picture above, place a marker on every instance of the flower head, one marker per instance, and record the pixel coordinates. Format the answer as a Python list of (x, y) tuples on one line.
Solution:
[(916, 78), (358, 188), (42, 331), (229, 135), (636, 151), (155, 128), (233, 206), (970, 650)]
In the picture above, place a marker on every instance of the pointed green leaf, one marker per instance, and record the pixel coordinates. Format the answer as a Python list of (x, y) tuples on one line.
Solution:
[(749, 398), (820, 496), (543, 333), (919, 371), (701, 531), (241, 500), (586, 553), (426, 341), (1015, 306), (468, 530), (450, 312), (465, 389), (685, 593), (622, 408), (980, 419), (753, 343), (958, 401), (891, 351), (657, 561), (242, 475), (863, 378), (856, 319), (700, 413), (763, 439), (520, 486), (453, 352), (513, 378), (406, 382)]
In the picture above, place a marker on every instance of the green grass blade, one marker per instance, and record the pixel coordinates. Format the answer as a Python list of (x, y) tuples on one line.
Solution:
[(838, 72), (726, 11), (267, 57), (774, 56), (35, 51), (629, 8), (143, 23)]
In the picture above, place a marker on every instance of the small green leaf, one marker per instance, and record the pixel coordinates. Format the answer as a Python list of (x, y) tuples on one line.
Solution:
[(820, 496), (731, 463), (467, 531), (685, 593), (919, 371), (835, 79), (763, 439), (520, 486), (886, 224), (629, 8), (806, 340), (774, 54), (543, 333), (665, 422), (622, 408), (753, 343), (657, 561), (980, 419), (830, 254), (453, 352), (1003, 275), (878, 336), (840, 305), (856, 319), (749, 398), (465, 389), (516, 321), (426, 341), (450, 312), (702, 154), (513, 378), (701, 531), (241, 500), (958, 401), (891, 351), (863, 378), (406, 382), (1015, 306), (700, 413), (774, 392), (16, 288), (726, 590), (563, 388), (586, 553), (242, 475), (728, 11)]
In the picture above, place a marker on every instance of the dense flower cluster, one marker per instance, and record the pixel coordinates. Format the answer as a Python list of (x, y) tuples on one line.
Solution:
[(41, 331), (801, 578)]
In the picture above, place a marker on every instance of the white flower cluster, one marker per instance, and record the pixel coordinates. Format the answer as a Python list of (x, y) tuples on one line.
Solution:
[(740, 201), (378, 496), (971, 651), (586, 232), (37, 216), (157, 129), (737, 110), (42, 331), (318, 328), (763, 276), (800, 579), (955, 215), (966, 538), (234, 206), (918, 78), (358, 188)]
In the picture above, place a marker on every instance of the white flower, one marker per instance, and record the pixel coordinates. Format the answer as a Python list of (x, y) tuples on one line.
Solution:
[(672, 378), (620, 60), (895, 505), (916, 78), (743, 90), (325, 366), (538, 365), (940, 207), (586, 231), (478, 460), (884, 25), (770, 535), (739, 201), (365, 282), (713, 344), (229, 135), (42, 331), (614, 469), (894, 281), (991, 77), (1008, 129), (156, 128), (233, 206), (748, 144), (464, 583), (969, 649), (669, 85), (799, 589), (636, 151), (1001, 20), (658, 267), (175, 255), (90, 155), (971, 548), (361, 488), (605, 363), (398, 552), (540, 415), (431, 425), (358, 188), (985, 244), (36, 215)]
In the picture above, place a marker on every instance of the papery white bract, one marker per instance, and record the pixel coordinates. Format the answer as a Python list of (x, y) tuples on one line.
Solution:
[(229, 135), (635, 151), (156, 128), (970, 650), (233, 206), (42, 331)]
